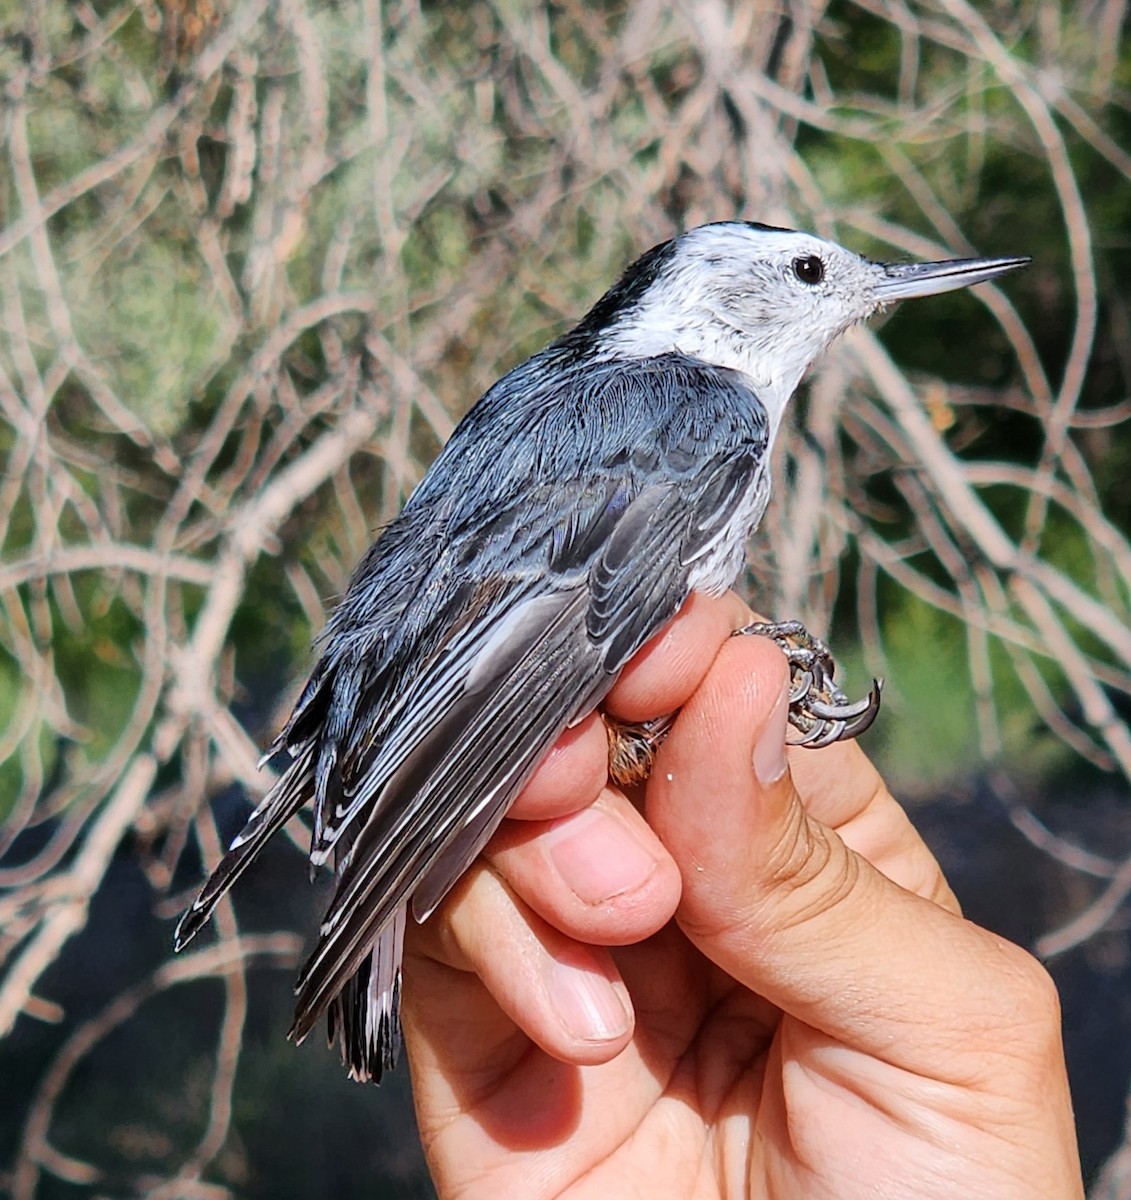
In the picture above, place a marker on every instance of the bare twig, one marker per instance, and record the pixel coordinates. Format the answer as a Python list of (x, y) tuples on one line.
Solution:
[(363, 216)]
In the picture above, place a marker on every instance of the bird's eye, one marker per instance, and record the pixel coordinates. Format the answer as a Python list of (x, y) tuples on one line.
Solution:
[(809, 269)]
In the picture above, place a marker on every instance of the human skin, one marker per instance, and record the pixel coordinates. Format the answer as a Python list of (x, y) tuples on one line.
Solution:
[(818, 1020)]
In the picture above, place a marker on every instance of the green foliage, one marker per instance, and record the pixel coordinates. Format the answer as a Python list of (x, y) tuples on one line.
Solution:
[(928, 726), (151, 317)]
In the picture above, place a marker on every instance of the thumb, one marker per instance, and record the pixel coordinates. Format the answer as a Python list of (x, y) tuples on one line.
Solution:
[(777, 899)]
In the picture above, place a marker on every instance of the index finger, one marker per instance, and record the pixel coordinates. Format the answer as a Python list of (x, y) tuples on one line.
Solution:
[(664, 674)]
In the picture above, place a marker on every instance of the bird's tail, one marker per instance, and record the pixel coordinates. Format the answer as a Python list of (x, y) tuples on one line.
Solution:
[(364, 1018)]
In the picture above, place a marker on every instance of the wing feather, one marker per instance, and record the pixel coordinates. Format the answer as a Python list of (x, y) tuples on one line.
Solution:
[(444, 799), (386, 733), (462, 777), (281, 803)]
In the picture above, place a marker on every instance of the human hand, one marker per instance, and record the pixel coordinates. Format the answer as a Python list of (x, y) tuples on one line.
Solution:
[(817, 1021)]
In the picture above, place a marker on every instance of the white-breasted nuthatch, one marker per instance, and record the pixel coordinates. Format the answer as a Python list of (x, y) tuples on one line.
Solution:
[(574, 510)]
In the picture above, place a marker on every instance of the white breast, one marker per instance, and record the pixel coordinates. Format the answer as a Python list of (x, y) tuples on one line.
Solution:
[(719, 567)]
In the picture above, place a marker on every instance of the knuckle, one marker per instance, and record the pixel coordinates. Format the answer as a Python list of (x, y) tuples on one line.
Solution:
[(799, 854), (808, 871), (1028, 1001), (1037, 990), (805, 873)]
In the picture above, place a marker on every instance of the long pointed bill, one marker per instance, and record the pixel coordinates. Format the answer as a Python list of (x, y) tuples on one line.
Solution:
[(904, 281)]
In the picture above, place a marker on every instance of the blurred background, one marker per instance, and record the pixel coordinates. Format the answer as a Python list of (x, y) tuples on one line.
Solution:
[(257, 258)]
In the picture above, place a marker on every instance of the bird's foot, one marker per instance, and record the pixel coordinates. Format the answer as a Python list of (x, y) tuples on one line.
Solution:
[(819, 711), (633, 747)]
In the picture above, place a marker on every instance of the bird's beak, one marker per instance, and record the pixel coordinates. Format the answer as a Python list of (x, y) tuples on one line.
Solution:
[(903, 281)]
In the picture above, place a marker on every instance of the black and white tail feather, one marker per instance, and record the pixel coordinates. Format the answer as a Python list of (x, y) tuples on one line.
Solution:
[(573, 511)]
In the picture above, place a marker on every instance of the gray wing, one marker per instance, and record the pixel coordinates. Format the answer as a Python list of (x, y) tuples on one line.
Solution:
[(476, 723), (496, 610)]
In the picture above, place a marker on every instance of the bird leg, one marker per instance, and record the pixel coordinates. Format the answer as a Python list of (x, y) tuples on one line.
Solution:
[(819, 711)]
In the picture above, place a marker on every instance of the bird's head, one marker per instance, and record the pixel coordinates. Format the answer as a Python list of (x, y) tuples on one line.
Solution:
[(758, 299)]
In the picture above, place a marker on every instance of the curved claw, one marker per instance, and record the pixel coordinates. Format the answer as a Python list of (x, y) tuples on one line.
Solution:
[(823, 733), (839, 710), (826, 736), (821, 724), (818, 710), (864, 721), (801, 685)]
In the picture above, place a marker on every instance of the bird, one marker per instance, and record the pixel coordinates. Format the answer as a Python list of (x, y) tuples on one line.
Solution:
[(574, 510)]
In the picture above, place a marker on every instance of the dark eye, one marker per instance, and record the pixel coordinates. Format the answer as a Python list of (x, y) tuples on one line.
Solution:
[(809, 269)]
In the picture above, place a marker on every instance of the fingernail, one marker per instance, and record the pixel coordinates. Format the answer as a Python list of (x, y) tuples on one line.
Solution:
[(597, 856), (587, 1004), (769, 750)]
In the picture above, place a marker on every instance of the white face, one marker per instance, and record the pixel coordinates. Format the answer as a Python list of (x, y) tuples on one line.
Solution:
[(763, 302)]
